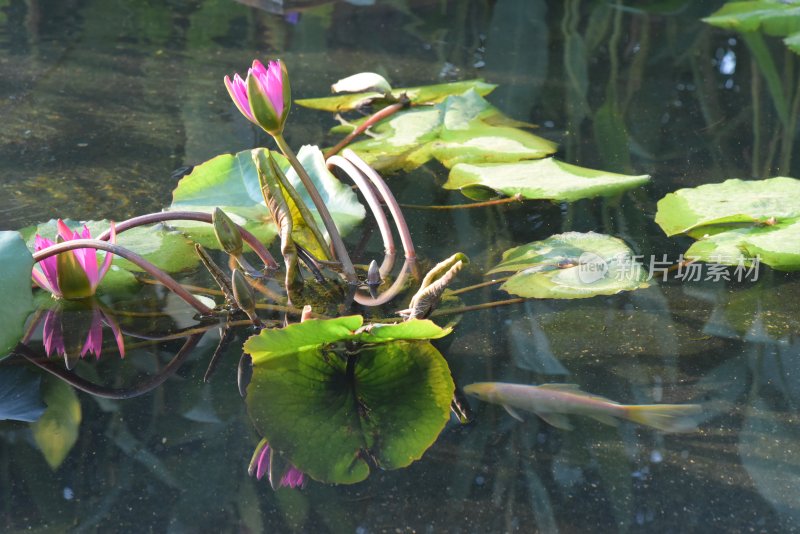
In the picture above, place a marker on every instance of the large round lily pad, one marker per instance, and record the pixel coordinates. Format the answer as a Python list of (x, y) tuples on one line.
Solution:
[(571, 265), (332, 419)]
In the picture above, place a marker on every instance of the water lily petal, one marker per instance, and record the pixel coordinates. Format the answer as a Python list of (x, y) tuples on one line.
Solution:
[(237, 89), (274, 86), (49, 267), (292, 478), (107, 260), (112, 323)]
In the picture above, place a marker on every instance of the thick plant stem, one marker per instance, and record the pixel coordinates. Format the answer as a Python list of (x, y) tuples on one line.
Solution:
[(132, 257), (388, 198), (336, 239), (152, 218), (388, 111)]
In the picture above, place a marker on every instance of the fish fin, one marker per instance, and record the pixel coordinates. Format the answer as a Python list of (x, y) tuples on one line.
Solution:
[(606, 419), (665, 417), (513, 413), (556, 419)]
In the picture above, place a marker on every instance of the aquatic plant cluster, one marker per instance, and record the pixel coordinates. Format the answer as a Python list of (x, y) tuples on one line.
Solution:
[(332, 392)]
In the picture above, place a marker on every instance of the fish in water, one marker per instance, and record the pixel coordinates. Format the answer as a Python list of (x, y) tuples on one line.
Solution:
[(553, 402)]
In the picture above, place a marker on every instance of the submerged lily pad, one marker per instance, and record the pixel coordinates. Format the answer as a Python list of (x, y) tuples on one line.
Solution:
[(428, 94), (230, 182), (56, 431), (736, 221), (546, 179), (571, 265), (20, 399), (328, 418), (461, 129)]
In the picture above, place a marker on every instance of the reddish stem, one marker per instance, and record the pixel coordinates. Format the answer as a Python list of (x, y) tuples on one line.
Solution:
[(388, 111)]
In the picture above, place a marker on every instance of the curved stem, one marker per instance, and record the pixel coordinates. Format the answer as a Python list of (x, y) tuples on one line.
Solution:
[(388, 198), (111, 393), (132, 257), (368, 191), (508, 200), (151, 218), (322, 209), (388, 111)]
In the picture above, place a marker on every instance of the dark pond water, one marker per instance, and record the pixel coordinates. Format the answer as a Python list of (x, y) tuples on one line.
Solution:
[(103, 99)]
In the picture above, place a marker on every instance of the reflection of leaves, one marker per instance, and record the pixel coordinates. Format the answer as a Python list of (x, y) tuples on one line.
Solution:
[(737, 220), (767, 445), (543, 179), (461, 129), (19, 395), (57, 430), (328, 423), (15, 286), (571, 265)]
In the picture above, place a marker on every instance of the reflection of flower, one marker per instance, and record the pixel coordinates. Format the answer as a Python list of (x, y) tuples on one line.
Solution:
[(63, 332), (73, 274), (263, 463), (264, 96)]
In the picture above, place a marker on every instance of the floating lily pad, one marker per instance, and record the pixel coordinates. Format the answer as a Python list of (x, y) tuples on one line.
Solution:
[(571, 265), (538, 179), (327, 418), (428, 94), (15, 286), (230, 182), (460, 129), (165, 248), (776, 18), (736, 221)]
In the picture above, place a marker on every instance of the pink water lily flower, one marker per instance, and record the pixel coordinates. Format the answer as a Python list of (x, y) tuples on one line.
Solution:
[(262, 464), (74, 274), (63, 331), (264, 97)]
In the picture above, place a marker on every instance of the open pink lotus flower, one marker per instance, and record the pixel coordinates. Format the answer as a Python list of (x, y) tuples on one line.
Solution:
[(74, 274), (262, 464), (264, 97), (63, 332)]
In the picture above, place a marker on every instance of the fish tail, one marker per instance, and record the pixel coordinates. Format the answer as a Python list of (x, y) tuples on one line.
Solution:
[(665, 417)]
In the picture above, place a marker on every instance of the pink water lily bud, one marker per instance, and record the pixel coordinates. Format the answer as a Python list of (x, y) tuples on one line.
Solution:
[(264, 97), (262, 464), (74, 274)]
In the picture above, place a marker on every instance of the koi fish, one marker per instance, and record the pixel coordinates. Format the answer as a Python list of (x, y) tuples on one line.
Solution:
[(553, 402)]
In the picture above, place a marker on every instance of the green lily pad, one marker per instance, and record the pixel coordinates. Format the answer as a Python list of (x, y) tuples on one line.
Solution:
[(571, 265), (736, 221), (425, 95), (460, 129), (776, 18), (15, 286), (734, 203), (328, 420), (539, 179), (230, 182), (165, 248)]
